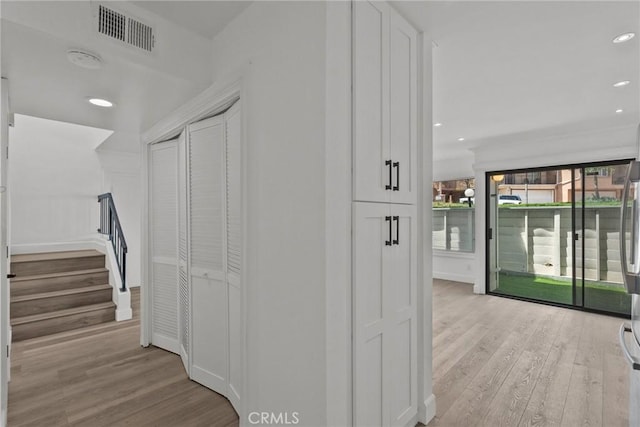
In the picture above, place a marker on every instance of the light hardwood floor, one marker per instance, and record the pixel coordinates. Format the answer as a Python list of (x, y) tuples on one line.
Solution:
[(100, 376), (502, 362), (496, 361)]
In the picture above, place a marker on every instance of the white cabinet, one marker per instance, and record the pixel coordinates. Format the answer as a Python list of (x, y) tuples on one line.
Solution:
[(385, 314), (385, 235), (384, 105)]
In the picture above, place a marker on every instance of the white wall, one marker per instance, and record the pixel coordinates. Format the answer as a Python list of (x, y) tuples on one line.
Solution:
[(457, 266), (338, 211), (121, 177), (279, 49), (450, 168), (54, 179)]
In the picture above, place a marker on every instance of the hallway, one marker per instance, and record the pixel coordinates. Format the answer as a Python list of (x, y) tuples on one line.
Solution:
[(100, 376)]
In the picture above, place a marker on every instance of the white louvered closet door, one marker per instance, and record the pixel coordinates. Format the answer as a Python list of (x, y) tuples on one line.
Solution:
[(234, 255), (184, 300), (163, 245), (209, 322)]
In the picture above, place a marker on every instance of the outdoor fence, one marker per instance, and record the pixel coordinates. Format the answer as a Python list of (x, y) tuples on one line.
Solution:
[(538, 240)]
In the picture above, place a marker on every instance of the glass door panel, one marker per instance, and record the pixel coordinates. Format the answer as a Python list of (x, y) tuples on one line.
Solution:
[(604, 288), (553, 236), (530, 240)]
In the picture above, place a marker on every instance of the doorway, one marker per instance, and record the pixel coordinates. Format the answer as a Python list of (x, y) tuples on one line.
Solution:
[(553, 236)]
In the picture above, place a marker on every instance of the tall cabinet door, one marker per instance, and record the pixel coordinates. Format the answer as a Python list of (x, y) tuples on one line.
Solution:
[(234, 253), (385, 83), (385, 315), (372, 167), (209, 356), (371, 243), (163, 245), (401, 262), (403, 127)]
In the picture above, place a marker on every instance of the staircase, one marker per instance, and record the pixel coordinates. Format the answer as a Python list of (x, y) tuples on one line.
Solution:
[(59, 291)]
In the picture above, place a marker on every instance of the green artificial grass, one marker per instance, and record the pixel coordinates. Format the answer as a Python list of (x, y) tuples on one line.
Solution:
[(597, 295)]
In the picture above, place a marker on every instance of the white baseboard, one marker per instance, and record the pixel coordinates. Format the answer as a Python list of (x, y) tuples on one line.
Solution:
[(124, 314), (453, 277), (123, 304), (427, 410)]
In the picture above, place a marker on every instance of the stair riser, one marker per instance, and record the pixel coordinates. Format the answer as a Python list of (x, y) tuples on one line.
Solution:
[(29, 287), (61, 324), (31, 268), (47, 305)]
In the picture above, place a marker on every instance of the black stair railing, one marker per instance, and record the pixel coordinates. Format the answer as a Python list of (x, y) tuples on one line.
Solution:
[(110, 226)]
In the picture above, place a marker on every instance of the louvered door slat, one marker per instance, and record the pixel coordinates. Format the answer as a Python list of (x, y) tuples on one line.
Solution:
[(209, 325), (234, 255), (184, 299), (234, 193), (206, 158), (163, 230)]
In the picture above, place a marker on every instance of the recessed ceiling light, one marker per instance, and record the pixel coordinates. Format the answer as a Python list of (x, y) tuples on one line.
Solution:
[(101, 102), (622, 83), (437, 125), (619, 110), (624, 37), (460, 139)]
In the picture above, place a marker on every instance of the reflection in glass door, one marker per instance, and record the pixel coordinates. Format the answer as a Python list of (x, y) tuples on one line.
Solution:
[(553, 236)]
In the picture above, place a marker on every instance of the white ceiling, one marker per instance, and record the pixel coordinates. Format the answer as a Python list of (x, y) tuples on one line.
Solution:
[(206, 18), (522, 67), (501, 69), (36, 35)]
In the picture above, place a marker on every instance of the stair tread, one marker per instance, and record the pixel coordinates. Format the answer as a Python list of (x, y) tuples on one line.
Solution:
[(60, 274), (61, 313), (46, 256), (63, 292)]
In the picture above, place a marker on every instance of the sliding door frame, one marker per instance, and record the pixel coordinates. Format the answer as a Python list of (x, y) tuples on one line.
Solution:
[(488, 231)]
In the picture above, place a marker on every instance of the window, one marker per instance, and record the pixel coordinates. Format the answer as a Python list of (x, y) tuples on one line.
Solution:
[(453, 216)]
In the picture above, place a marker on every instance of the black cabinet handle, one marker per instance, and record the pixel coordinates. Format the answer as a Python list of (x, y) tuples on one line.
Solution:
[(388, 163), (397, 239), (397, 166), (388, 242), (10, 276)]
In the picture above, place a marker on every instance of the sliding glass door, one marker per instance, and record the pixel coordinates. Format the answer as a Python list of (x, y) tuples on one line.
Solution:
[(553, 236)]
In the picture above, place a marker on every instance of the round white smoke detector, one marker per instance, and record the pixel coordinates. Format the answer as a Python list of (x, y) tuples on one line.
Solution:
[(84, 59)]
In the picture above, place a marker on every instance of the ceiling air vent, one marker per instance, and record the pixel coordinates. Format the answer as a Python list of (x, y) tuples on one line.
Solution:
[(125, 29)]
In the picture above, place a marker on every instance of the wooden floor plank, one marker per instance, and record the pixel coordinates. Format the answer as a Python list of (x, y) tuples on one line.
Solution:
[(543, 366), (512, 398), (102, 377), (546, 403), (498, 361)]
